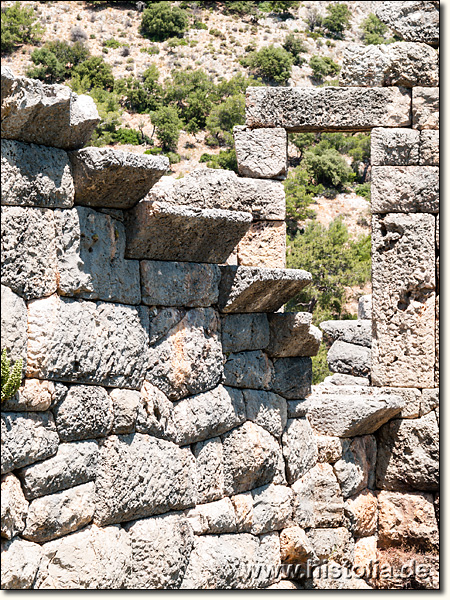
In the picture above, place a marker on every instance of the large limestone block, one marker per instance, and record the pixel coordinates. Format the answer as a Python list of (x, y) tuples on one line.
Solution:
[(161, 547), (264, 245), (403, 281), (395, 147), (188, 359), (366, 555), (329, 448), (429, 147), (73, 464), (112, 178), (14, 507), (27, 438), (90, 250), (140, 476), (407, 520), (272, 508), (248, 370), (291, 334), (415, 21), (208, 415), (163, 231), (362, 512), (56, 515), (35, 176), (51, 115), (179, 283), (357, 332), (125, 405), (405, 189), (214, 517), (327, 108), (244, 332), (350, 359), (94, 559), (407, 64), (425, 108), (209, 465), (20, 562), (336, 543), (86, 342), (299, 448), (251, 457), (34, 395), (253, 289), (408, 454), (243, 508), (292, 377), (267, 410), (28, 244), (154, 414), (14, 325), (429, 401), (356, 469), (261, 153), (349, 415)]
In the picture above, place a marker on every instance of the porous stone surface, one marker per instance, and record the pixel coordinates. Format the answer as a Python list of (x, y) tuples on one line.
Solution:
[(27, 438), (395, 147), (349, 359), (28, 251), (353, 332), (140, 476), (52, 115), (253, 289), (248, 370), (250, 458), (415, 21), (365, 556), (73, 464), (425, 108), (125, 407), (318, 500), (407, 519), (93, 558), (14, 507), (327, 108), (20, 562), (264, 245), (162, 320), (86, 342), (272, 508), (356, 469), (408, 454), (188, 359), (90, 248), (333, 576), (163, 542), (365, 307), (14, 325), (362, 512), (403, 343), (292, 377), (429, 401), (243, 508), (85, 412), (294, 546), (214, 517), (266, 409), (35, 176), (299, 448), (209, 468), (56, 515), (261, 153), (291, 334), (154, 413), (405, 189), (244, 332), (179, 283), (349, 415), (112, 178), (335, 543), (163, 231), (429, 147), (33, 395), (329, 448), (342, 379)]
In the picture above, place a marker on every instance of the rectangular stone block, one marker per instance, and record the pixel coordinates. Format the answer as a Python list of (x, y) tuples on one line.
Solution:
[(87, 342), (399, 147), (405, 189), (14, 327), (327, 108), (264, 245), (261, 153), (429, 147), (292, 377), (403, 281), (35, 176), (163, 231), (244, 332), (248, 370), (292, 334), (414, 21), (425, 108)]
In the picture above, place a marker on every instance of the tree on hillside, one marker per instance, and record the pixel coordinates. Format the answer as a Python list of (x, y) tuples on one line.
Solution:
[(161, 21), (19, 26), (270, 63), (337, 19), (374, 30), (167, 124)]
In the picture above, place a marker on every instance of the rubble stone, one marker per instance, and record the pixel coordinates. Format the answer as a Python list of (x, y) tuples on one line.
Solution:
[(214, 517), (248, 370), (209, 466), (299, 448), (356, 469), (125, 405), (362, 512), (353, 332), (272, 508), (349, 359), (415, 21), (291, 334), (20, 562), (34, 395), (295, 546), (292, 377), (266, 409)]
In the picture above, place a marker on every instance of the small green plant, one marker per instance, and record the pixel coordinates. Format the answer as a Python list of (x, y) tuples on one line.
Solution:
[(217, 33), (374, 30), (11, 377), (226, 159), (323, 66), (112, 43), (295, 46), (363, 189), (337, 20), (168, 126)]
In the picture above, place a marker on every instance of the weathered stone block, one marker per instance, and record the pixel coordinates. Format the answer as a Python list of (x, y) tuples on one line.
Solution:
[(264, 245), (408, 454), (429, 401), (179, 283), (395, 147), (248, 370), (272, 508), (429, 147), (261, 153), (356, 469), (299, 448), (349, 359), (188, 359), (86, 342), (155, 413), (403, 280), (365, 307), (243, 507), (35, 176), (34, 395), (112, 178), (327, 108), (253, 289), (215, 517), (244, 332), (125, 406), (357, 332), (405, 189), (27, 438), (362, 512), (209, 464), (295, 547), (14, 325), (332, 575), (292, 377), (162, 320), (415, 21), (140, 476), (90, 248), (73, 464), (28, 251), (291, 334), (365, 556), (425, 108), (267, 410), (51, 115), (336, 543), (163, 231), (329, 448), (343, 380), (14, 507), (20, 562)]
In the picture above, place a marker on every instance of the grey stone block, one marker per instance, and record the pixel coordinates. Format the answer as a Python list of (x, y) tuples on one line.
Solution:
[(214, 517), (248, 370), (261, 153), (335, 543), (209, 467), (125, 405), (163, 231), (349, 359), (35, 176), (291, 334), (20, 562), (244, 332), (51, 115), (14, 325), (267, 410), (415, 21), (34, 395), (355, 471), (429, 147), (394, 147), (425, 108), (272, 508), (365, 307), (162, 320), (341, 379), (155, 413), (292, 377), (299, 448), (86, 342), (179, 283), (112, 178), (327, 108), (14, 507), (256, 289), (405, 189), (357, 332)]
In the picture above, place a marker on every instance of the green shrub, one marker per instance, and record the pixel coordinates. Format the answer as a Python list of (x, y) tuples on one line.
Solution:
[(217, 33), (363, 189), (141, 96), (328, 167), (173, 157), (161, 21), (112, 43), (226, 159), (174, 42), (282, 7), (153, 49), (271, 63), (168, 125), (320, 368), (19, 26), (374, 30), (10, 378), (313, 19), (224, 117), (95, 73), (240, 8), (125, 135), (295, 46), (153, 151), (299, 195), (323, 66), (199, 25), (337, 20), (55, 61)]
